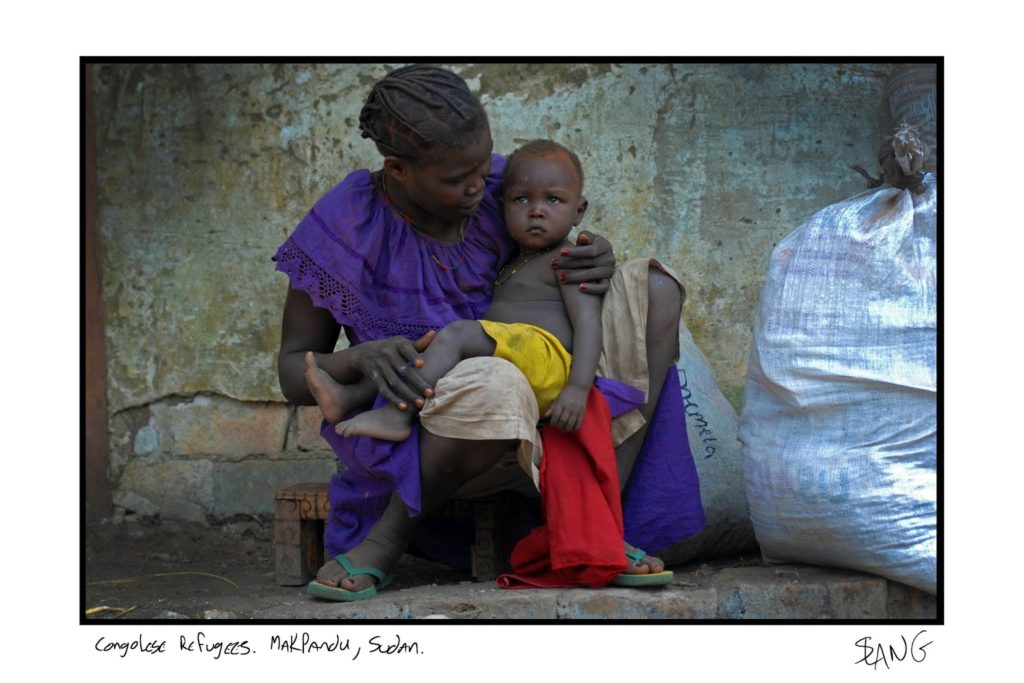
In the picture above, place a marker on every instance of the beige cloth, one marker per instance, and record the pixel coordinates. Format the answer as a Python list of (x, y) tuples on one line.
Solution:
[(489, 398)]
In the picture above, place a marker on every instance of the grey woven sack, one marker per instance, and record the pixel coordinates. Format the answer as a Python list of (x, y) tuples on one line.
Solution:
[(838, 425)]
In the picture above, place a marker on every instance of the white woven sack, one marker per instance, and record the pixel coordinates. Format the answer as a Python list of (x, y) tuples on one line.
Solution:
[(839, 419)]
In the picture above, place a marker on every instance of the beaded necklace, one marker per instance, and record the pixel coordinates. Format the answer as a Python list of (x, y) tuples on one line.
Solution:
[(524, 258), (383, 188)]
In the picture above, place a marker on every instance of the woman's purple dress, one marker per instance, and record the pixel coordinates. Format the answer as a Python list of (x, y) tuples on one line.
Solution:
[(354, 255)]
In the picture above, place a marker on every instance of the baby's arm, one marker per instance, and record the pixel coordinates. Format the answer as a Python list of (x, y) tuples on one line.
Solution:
[(584, 312)]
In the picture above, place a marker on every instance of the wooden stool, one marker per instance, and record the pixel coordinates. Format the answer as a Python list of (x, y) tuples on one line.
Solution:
[(300, 511), (299, 514), (498, 524)]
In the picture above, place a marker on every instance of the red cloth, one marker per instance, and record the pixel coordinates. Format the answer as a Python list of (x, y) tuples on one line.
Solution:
[(580, 544)]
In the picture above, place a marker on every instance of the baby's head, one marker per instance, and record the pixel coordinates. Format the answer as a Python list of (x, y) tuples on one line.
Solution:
[(543, 194)]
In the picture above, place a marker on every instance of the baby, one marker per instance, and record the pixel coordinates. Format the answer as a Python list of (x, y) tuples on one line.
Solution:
[(533, 320)]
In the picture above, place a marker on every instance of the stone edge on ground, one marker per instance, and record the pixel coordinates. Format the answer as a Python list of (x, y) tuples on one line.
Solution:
[(749, 593)]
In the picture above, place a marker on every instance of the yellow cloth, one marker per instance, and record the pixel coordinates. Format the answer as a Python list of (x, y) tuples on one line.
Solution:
[(537, 353)]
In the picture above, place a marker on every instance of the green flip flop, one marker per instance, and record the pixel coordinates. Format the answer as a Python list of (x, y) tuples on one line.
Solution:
[(319, 590), (662, 578)]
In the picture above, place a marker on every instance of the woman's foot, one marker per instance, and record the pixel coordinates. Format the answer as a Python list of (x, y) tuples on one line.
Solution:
[(642, 570), (331, 396), (648, 564), (369, 553), (387, 423)]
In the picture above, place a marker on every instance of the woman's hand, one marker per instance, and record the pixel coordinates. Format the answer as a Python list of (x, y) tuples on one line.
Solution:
[(591, 263), (392, 365)]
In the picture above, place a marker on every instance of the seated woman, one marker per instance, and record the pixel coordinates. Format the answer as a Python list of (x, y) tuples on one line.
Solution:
[(393, 256)]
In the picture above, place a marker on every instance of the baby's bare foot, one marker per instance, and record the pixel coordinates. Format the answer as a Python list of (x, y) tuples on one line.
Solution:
[(387, 423), (329, 394)]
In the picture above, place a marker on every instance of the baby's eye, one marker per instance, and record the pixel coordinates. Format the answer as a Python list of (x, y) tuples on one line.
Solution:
[(554, 200), (520, 199)]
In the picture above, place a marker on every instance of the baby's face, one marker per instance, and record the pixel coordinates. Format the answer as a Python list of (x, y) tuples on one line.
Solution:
[(542, 200)]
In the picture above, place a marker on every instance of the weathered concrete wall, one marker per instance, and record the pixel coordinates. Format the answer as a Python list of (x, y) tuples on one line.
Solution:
[(204, 170)]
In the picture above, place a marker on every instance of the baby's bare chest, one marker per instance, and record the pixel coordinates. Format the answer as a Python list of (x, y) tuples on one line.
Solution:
[(532, 295), (534, 280)]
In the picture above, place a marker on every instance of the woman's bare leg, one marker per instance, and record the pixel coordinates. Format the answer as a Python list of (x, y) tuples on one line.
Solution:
[(445, 465), (381, 549), (663, 311)]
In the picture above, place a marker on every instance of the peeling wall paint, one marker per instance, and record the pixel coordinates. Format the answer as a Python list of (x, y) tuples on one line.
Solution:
[(203, 170)]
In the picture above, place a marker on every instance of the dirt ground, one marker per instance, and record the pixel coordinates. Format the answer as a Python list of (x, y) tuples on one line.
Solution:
[(152, 569)]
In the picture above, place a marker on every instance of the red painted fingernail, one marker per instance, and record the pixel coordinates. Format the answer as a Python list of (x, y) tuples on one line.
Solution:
[(561, 276), (554, 263), (583, 288), (564, 252)]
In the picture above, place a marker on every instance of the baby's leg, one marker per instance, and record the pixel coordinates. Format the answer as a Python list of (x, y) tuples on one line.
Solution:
[(460, 340), (335, 399)]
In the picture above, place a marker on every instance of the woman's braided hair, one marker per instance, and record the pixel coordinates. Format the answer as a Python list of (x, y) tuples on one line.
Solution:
[(418, 109)]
